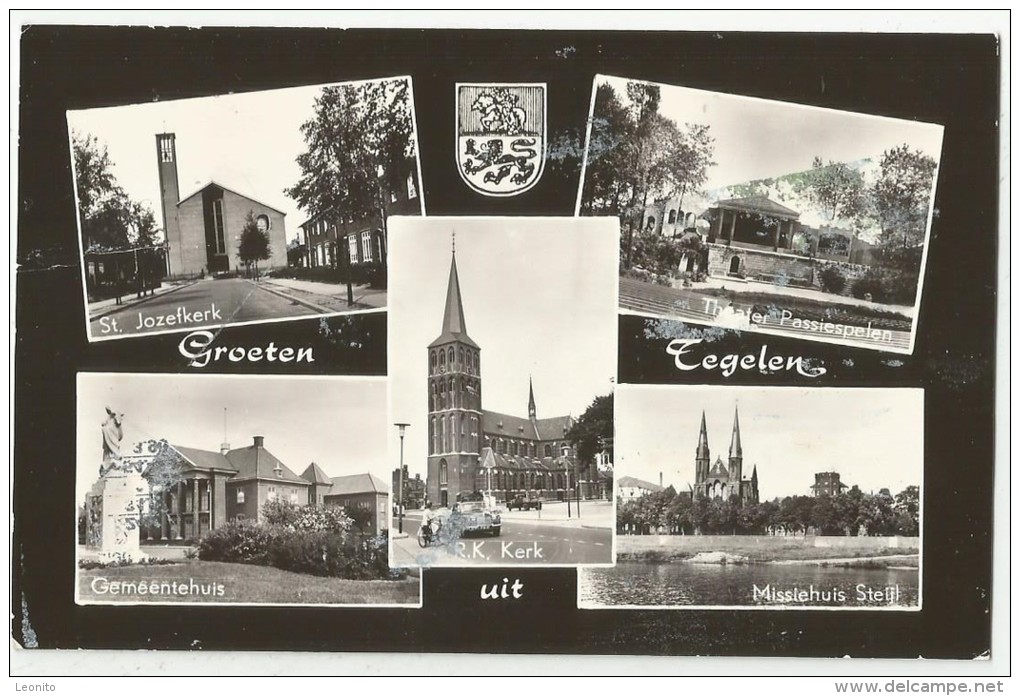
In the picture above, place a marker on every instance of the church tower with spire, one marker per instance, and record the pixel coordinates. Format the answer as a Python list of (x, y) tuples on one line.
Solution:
[(455, 402), (720, 480), (702, 460)]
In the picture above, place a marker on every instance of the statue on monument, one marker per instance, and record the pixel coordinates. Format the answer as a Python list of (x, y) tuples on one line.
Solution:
[(113, 433)]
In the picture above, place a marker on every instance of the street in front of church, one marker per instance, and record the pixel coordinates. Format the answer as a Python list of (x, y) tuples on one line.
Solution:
[(539, 537), (209, 302)]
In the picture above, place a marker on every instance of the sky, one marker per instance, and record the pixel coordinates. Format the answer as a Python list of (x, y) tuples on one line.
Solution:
[(760, 138), (337, 422), (247, 142), (873, 437), (539, 299)]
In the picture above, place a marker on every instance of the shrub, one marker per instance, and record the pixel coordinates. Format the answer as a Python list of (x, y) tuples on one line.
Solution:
[(871, 283), (312, 552), (832, 280), (237, 542)]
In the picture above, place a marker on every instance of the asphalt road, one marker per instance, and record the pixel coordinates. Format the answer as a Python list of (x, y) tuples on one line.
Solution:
[(521, 542), (205, 303)]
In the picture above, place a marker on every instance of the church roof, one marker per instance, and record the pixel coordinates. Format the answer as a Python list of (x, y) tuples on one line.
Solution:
[(314, 474), (719, 470), (454, 327), (758, 204), (357, 483), (258, 462), (554, 428), (209, 183)]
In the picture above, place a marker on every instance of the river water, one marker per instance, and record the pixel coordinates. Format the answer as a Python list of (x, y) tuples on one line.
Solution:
[(710, 585)]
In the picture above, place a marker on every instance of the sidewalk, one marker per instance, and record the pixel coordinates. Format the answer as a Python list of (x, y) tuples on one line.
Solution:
[(329, 296), (101, 308), (595, 514)]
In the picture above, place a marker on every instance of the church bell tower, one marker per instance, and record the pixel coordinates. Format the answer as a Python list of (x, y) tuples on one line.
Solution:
[(170, 195), (455, 403)]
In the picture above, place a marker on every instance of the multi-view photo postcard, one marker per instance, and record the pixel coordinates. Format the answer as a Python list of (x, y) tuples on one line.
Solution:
[(241, 208), (502, 358), (241, 490), (765, 498), (761, 215)]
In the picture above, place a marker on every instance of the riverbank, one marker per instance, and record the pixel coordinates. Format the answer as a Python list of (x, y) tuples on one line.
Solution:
[(865, 552)]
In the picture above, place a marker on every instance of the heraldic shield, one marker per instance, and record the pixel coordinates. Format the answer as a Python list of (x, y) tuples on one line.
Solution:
[(501, 136)]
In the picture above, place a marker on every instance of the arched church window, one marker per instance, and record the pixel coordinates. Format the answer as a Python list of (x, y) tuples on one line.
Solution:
[(442, 434), (432, 362), (449, 356), (443, 473), (460, 356), (672, 216), (453, 434), (650, 225), (442, 361)]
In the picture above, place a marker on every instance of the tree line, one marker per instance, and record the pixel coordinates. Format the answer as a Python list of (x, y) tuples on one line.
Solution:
[(854, 513)]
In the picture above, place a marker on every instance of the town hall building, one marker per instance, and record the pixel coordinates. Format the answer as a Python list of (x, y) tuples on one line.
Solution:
[(723, 480), (473, 450)]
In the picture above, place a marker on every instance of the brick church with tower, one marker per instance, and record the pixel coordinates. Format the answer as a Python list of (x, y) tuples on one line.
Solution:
[(203, 229), (720, 480), (472, 450)]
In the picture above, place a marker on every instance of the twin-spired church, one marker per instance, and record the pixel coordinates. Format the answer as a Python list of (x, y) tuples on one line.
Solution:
[(719, 480), (474, 450)]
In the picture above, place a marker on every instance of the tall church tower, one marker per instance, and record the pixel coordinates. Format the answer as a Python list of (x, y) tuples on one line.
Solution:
[(170, 196), (736, 452), (701, 458), (455, 403)]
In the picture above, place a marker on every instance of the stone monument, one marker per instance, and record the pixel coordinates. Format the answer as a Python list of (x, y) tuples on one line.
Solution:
[(114, 506)]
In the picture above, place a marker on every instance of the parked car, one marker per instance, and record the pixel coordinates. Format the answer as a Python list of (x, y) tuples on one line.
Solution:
[(524, 502), (472, 517)]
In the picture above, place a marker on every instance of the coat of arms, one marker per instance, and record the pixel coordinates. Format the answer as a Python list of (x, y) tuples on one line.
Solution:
[(501, 136)]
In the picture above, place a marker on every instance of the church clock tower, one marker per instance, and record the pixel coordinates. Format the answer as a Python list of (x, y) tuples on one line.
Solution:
[(455, 403)]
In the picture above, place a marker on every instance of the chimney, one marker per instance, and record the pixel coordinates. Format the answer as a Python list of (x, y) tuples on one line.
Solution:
[(259, 440), (224, 447), (660, 479)]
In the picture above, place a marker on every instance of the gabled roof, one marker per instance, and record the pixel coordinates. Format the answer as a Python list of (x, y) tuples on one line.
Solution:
[(512, 426), (357, 483), (554, 428), (316, 475), (631, 482), (204, 459), (209, 183), (758, 204), (258, 462), (454, 327)]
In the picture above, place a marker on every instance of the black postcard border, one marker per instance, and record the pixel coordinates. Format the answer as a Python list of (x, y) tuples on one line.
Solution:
[(952, 80)]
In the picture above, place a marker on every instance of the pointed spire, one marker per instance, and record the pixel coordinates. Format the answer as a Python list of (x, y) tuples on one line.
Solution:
[(754, 473), (703, 439), (531, 399), (735, 448), (454, 327)]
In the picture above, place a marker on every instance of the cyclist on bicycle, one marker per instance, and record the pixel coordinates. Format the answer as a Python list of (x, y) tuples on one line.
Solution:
[(427, 519)]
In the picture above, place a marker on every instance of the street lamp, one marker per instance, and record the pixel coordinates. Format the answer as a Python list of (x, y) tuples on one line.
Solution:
[(400, 480)]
